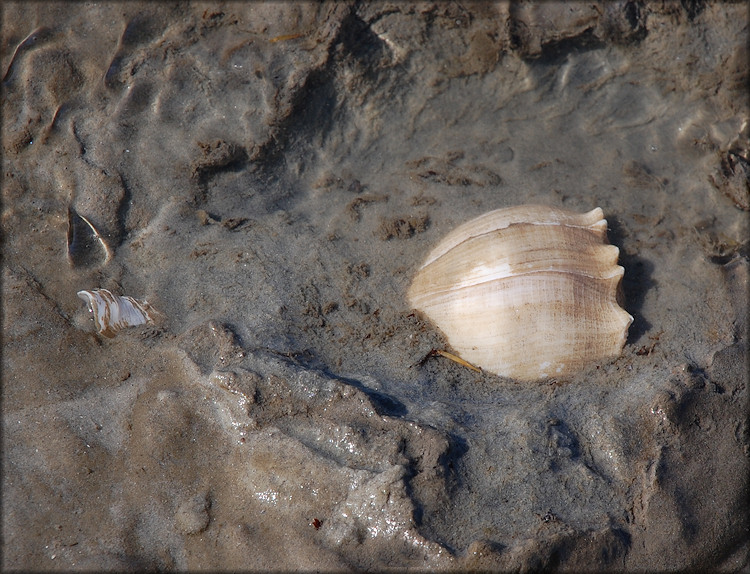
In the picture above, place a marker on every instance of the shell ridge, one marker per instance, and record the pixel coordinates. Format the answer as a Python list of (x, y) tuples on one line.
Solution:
[(607, 281), (500, 219), (617, 272), (432, 258)]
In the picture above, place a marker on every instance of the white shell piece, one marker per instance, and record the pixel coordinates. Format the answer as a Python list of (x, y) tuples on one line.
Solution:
[(86, 247), (114, 312), (528, 292)]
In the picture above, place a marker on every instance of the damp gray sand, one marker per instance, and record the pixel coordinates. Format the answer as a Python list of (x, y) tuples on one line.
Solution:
[(269, 177)]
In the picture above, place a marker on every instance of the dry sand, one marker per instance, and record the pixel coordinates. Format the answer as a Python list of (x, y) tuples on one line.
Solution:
[(268, 177)]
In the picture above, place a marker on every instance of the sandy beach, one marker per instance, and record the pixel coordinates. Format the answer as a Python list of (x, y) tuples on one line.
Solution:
[(269, 177)]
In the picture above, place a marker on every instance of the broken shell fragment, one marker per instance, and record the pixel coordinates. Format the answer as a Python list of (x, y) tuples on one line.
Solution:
[(86, 247), (114, 312), (527, 292)]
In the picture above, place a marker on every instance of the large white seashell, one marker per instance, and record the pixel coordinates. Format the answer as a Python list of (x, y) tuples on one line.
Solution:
[(114, 312), (527, 292)]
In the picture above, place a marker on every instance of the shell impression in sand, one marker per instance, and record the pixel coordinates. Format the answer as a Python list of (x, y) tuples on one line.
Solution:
[(114, 312), (527, 292)]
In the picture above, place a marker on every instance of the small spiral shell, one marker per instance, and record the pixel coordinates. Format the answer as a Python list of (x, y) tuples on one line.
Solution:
[(114, 312)]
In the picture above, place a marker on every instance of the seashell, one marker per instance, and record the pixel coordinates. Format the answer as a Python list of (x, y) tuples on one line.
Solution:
[(86, 248), (113, 312), (527, 292)]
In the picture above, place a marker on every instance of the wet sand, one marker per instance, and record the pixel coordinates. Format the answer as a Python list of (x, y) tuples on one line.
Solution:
[(269, 177)]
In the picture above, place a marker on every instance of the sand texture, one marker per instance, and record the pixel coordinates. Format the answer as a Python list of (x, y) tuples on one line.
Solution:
[(268, 177)]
